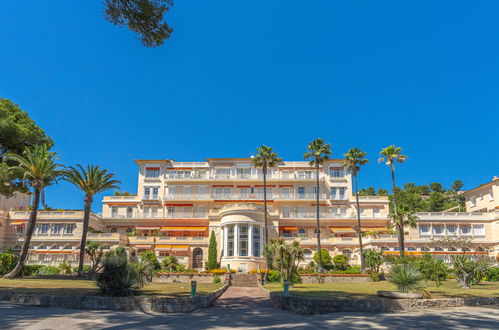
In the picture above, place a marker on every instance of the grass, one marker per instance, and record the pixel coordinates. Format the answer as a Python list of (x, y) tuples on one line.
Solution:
[(85, 287), (448, 289)]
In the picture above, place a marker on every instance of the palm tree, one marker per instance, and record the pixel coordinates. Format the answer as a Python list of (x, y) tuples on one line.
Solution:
[(354, 159), (389, 156), (91, 180), (402, 218), (265, 159), (38, 168), (318, 152)]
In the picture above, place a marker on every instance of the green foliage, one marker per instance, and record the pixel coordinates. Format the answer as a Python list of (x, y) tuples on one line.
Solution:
[(349, 270), (398, 260), (169, 264), (340, 262), (457, 185), (432, 269), (286, 258), (150, 257), (217, 279), (8, 261), (30, 270), (406, 277), (95, 253), (219, 271), (145, 18), (122, 193), (373, 259), (470, 271), (65, 268), (326, 258), (119, 277), (274, 276), (212, 252), (493, 274), (48, 270)]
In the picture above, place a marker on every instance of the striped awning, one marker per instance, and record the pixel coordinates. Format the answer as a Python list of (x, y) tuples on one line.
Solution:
[(170, 247), (143, 246), (375, 229), (342, 230), (184, 228)]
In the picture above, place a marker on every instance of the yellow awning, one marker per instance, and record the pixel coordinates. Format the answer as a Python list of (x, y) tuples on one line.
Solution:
[(184, 228), (342, 230), (17, 223), (376, 229), (172, 247)]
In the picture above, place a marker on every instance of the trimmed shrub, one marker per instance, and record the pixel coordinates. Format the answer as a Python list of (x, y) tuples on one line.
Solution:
[(216, 279), (326, 258), (274, 276), (341, 262), (493, 274), (65, 268), (47, 270), (406, 277), (432, 269), (30, 270), (150, 257)]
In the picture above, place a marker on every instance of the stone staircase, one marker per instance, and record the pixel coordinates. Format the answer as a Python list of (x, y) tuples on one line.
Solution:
[(243, 280)]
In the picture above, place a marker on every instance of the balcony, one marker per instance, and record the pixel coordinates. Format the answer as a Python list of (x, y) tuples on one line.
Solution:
[(181, 239), (141, 239), (138, 215), (188, 197), (284, 175)]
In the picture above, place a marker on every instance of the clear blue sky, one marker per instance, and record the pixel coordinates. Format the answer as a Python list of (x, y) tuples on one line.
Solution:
[(237, 74)]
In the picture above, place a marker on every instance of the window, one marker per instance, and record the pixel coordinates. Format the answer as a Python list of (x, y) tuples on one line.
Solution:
[(222, 173), (155, 192), (129, 230), (362, 211), (69, 229), (302, 211), (411, 248), (335, 172), (152, 172), (113, 230), (256, 241), (170, 210), (342, 193), (68, 247), (243, 173), (201, 211), (302, 232), (44, 228), (452, 249), (42, 247), (438, 249), (230, 241), (384, 248), (438, 230), (347, 252), (425, 249), (376, 213), (243, 240), (333, 193), (154, 213), (301, 192), (269, 193), (56, 229), (285, 212), (473, 201), (55, 247), (244, 193), (20, 229), (114, 211), (465, 230), (451, 230), (129, 211), (307, 254), (285, 193), (147, 192), (424, 230), (478, 230), (491, 196)]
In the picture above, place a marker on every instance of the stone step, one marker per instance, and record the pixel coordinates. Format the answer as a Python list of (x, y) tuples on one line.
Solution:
[(244, 280)]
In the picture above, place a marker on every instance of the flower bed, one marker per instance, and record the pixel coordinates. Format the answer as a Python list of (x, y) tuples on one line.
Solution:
[(334, 278)]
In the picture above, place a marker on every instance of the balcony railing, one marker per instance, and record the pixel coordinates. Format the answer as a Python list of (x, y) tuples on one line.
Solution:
[(245, 176)]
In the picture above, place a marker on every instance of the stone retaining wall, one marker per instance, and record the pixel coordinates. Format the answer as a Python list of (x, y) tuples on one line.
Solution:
[(184, 278), (141, 303), (311, 305), (334, 278)]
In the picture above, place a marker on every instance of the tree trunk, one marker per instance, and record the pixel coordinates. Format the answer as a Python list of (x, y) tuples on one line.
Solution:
[(27, 237), (265, 231), (359, 228), (83, 243), (399, 222), (320, 266)]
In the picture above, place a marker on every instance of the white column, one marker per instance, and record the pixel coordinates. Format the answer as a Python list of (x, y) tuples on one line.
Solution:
[(250, 240), (225, 243), (236, 240)]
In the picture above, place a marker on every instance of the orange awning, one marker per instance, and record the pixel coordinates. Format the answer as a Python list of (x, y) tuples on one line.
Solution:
[(289, 228), (376, 229), (184, 228), (17, 223), (342, 230), (166, 247)]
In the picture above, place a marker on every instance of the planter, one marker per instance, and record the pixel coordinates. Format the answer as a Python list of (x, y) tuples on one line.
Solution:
[(399, 295)]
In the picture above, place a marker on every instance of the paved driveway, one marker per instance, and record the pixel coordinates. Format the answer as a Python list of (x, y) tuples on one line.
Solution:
[(243, 308)]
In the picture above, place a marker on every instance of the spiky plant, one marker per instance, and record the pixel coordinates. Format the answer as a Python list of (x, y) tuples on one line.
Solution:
[(407, 278)]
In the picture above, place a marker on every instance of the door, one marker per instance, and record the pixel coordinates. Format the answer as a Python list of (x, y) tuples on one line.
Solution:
[(197, 258)]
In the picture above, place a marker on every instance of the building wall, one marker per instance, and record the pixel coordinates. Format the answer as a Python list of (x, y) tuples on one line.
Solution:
[(484, 198), (18, 200)]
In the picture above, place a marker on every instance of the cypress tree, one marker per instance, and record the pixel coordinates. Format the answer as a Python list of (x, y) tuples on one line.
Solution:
[(212, 252)]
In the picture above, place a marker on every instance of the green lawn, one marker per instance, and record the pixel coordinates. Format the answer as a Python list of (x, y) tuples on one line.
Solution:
[(448, 288), (84, 287)]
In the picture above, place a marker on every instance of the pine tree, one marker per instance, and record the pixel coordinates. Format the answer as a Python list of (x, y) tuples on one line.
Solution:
[(212, 252)]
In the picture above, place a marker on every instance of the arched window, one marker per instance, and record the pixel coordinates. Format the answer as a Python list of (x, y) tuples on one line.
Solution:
[(129, 230), (425, 249), (302, 232), (396, 248), (42, 247), (106, 247), (452, 249), (315, 231), (68, 247), (113, 230), (465, 249), (17, 247), (438, 248), (55, 247), (384, 248), (411, 248), (307, 253), (479, 249)]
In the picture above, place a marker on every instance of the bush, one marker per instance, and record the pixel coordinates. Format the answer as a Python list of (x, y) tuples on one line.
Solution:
[(326, 258), (30, 270), (47, 270), (150, 257), (432, 269), (406, 277), (350, 270), (341, 262), (274, 276), (219, 271), (470, 271), (493, 274), (373, 259), (373, 275), (169, 264), (65, 268), (398, 260), (8, 261), (119, 277), (216, 279)]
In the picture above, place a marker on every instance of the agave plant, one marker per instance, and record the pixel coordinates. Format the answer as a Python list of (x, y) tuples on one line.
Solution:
[(407, 278)]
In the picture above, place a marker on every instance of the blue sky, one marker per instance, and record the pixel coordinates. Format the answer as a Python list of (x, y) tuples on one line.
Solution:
[(237, 74)]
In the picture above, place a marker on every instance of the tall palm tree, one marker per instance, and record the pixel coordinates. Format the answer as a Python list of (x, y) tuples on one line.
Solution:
[(265, 159), (404, 217), (91, 180), (354, 159), (318, 152), (389, 156), (38, 168)]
